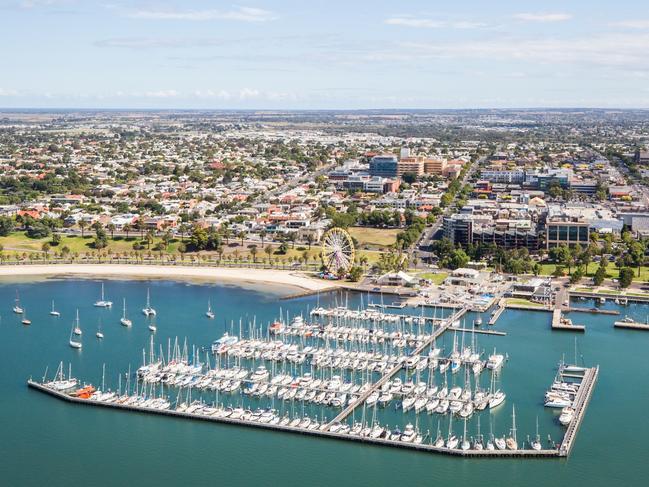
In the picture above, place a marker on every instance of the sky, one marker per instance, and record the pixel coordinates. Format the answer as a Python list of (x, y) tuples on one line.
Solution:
[(312, 54)]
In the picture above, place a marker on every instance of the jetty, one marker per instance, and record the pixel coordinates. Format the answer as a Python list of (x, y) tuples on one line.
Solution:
[(580, 404), (394, 370), (422, 447), (502, 306), (564, 324)]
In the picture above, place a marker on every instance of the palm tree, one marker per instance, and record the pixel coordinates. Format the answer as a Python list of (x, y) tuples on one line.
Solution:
[(82, 226), (262, 235), (310, 239), (111, 228), (183, 228), (127, 229), (242, 236), (149, 239)]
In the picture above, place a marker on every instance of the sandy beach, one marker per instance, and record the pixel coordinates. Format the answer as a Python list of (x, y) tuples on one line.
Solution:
[(211, 274)]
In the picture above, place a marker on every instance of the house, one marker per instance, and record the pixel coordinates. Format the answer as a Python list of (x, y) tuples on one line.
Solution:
[(397, 279)]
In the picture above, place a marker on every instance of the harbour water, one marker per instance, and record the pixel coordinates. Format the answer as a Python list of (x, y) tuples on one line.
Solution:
[(45, 441)]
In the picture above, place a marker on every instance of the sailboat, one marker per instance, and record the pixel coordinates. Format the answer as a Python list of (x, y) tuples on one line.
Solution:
[(511, 442), (153, 327), (148, 310), (124, 320), (99, 333), (209, 313), (466, 444), (17, 309), (74, 343), (25, 320), (77, 328), (102, 303), (54, 312), (536, 444), (75, 331)]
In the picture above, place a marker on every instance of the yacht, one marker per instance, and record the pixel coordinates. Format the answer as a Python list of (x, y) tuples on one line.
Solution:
[(511, 442), (536, 444), (260, 375), (103, 303), (148, 310), (224, 343), (495, 361), (567, 415), (497, 398), (153, 327), (54, 312), (209, 313), (124, 320), (452, 442), (409, 434)]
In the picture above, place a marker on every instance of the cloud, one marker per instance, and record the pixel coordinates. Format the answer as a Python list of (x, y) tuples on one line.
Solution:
[(4, 92), (156, 42), (241, 14), (632, 24), (543, 17), (421, 23), (161, 94)]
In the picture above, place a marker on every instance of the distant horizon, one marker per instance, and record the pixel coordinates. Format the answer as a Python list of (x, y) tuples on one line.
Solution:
[(298, 110)]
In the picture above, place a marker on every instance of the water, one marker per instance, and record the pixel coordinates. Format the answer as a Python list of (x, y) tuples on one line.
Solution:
[(45, 441)]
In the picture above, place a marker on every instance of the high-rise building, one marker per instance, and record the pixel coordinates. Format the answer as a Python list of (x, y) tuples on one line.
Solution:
[(413, 165), (434, 166), (385, 166)]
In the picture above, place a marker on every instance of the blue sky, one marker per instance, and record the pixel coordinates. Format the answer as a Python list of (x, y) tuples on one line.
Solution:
[(324, 54)]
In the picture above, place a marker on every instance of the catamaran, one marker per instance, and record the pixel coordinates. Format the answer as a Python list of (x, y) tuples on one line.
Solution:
[(209, 313), (77, 328), (148, 310), (103, 303), (17, 309), (54, 312), (124, 320), (25, 320)]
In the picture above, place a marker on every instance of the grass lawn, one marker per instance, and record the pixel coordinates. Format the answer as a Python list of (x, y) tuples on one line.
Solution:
[(18, 243), (612, 271), (436, 278), (374, 237), (523, 302)]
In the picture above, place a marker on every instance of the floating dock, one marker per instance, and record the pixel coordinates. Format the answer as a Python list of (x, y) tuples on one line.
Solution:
[(423, 447), (580, 404), (632, 325), (560, 323)]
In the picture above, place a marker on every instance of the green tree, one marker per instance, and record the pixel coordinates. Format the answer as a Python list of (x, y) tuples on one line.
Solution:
[(7, 226), (626, 277), (198, 238), (355, 273), (600, 275)]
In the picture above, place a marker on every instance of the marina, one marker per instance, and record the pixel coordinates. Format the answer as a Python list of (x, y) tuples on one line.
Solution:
[(299, 420)]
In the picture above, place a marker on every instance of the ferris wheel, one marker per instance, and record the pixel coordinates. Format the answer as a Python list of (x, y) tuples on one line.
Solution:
[(337, 250)]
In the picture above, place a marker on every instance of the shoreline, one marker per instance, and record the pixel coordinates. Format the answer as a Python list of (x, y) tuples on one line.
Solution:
[(289, 279)]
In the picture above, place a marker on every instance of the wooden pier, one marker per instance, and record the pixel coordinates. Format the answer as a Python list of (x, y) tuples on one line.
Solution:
[(558, 323), (422, 447), (580, 403)]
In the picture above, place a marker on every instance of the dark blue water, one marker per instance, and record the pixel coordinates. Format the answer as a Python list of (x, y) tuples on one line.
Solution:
[(46, 442)]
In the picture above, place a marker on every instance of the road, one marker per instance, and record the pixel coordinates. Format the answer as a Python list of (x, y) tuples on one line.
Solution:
[(428, 236)]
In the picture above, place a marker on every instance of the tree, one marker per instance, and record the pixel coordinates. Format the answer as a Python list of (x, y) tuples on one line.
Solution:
[(198, 238), (559, 271), (626, 277), (269, 251), (149, 239), (576, 276), (111, 228), (82, 226), (292, 237), (127, 229), (46, 248), (600, 275), (355, 273), (241, 235), (310, 239), (262, 236), (283, 248), (7, 226), (101, 240), (253, 252), (56, 239)]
